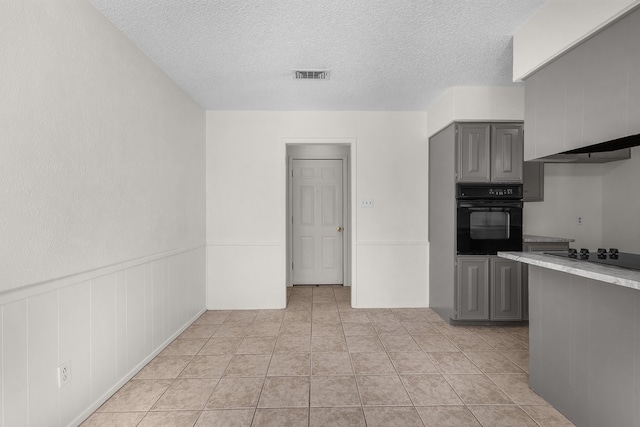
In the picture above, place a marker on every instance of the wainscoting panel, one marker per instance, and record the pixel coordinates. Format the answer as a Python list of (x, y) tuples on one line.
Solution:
[(74, 345), (246, 276), (14, 363), (107, 325), (103, 335), (392, 274)]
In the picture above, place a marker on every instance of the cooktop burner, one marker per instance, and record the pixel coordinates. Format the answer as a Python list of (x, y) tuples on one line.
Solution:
[(611, 257)]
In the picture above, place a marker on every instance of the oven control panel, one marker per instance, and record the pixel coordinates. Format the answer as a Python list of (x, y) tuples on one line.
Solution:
[(500, 192), (489, 191)]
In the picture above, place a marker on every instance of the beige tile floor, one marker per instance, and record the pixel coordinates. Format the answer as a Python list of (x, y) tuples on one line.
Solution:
[(322, 363)]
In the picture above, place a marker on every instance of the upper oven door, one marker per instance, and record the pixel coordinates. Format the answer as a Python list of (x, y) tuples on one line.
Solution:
[(486, 227)]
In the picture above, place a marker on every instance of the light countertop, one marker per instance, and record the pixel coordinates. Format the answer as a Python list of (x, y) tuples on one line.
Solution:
[(604, 273), (530, 238)]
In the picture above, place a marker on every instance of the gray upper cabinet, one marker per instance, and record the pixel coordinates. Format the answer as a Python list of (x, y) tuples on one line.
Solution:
[(533, 181), (473, 153), (605, 86), (589, 95), (490, 152), (633, 47), (550, 110), (506, 153), (574, 105)]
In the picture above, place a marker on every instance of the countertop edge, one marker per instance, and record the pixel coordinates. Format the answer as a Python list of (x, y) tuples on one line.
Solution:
[(532, 238), (614, 275)]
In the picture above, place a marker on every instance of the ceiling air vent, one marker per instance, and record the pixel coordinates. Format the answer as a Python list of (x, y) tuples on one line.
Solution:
[(311, 74)]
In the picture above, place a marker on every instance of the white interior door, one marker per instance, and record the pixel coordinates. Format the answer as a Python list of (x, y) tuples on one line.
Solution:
[(317, 223)]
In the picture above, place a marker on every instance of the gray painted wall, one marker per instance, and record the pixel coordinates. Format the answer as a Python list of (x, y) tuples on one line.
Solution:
[(442, 210)]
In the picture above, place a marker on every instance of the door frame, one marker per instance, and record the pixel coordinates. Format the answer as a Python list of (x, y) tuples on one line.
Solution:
[(321, 151)]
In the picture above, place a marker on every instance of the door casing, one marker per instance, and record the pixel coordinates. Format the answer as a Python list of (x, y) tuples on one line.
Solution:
[(326, 152)]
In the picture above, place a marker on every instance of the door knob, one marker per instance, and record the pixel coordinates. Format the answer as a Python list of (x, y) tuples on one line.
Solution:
[(339, 229)]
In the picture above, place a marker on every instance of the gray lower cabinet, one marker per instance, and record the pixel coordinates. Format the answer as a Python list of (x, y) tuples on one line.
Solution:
[(473, 288), (488, 288), (506, 289)]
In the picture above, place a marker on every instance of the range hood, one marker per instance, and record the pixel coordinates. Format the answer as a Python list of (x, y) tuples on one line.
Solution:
[(604, 152)]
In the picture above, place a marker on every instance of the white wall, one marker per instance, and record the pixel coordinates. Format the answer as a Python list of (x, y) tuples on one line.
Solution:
[(558, 26), (102, 154), (621, 204), (102, 211), (246, 204), (569, 190), (471, 103)]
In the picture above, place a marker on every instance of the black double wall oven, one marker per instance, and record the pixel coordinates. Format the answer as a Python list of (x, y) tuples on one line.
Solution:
[(489, 218)]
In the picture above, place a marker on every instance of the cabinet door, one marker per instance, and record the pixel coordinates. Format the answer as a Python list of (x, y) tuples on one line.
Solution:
[(506, 296), (533, 181), (473, 288), (473, 153), (633, 47), (605, 86), (550, 108), (506, 153), (574, 98)]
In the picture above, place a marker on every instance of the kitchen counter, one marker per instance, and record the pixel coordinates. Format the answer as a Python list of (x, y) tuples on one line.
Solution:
[(584, 338), (534, 243), (614, 275), (530, 238)]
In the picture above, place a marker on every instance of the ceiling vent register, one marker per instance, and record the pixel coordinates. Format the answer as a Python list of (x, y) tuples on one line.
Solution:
[(311, 74)]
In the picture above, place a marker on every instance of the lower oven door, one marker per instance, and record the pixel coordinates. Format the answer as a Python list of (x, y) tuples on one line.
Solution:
[(488, 226)]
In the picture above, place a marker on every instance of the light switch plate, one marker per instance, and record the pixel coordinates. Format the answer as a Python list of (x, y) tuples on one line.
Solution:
[(366, 203)]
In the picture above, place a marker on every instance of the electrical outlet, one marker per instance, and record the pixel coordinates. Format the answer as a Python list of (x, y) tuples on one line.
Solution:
[(366, 203), (64, 374), (580, 220)]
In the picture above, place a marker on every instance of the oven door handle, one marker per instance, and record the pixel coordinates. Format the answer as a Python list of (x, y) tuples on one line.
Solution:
[(489, 204)]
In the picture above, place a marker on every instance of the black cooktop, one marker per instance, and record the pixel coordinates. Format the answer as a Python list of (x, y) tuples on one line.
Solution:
[(611, 257)]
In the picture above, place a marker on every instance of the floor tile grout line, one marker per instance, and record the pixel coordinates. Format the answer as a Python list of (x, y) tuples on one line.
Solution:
[(398, 316)]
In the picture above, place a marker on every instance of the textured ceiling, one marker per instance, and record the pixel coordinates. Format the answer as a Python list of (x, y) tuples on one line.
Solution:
[(383, 54)]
